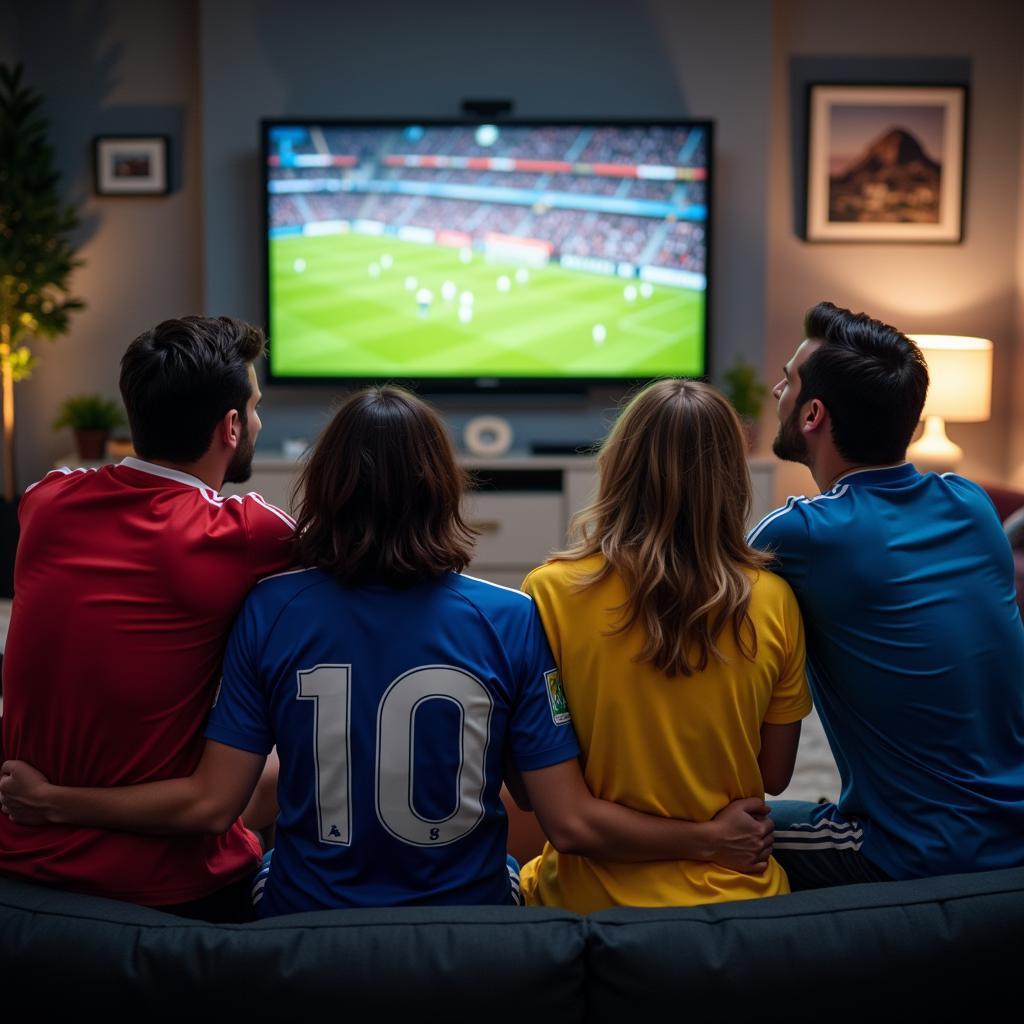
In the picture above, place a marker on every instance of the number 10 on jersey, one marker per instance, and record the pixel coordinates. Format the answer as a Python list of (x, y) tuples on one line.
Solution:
[(329, 688)]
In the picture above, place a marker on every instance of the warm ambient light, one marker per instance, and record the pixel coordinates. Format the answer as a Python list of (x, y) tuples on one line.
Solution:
[(960, 390)]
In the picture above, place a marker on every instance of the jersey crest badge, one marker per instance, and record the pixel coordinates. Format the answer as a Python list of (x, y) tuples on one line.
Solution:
[(556, 697)]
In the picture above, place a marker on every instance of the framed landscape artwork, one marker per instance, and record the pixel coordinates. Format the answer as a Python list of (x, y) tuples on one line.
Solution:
[(130, 165), (885, 163)]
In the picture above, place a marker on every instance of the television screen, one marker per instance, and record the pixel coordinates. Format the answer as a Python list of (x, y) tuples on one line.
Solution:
[(486, 254)]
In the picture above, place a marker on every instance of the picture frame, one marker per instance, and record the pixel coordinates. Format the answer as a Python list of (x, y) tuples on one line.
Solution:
[(885, 163), (131, 165)]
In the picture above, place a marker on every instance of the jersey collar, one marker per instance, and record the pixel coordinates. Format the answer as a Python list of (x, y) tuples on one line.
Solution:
[(168, 474), (876, 475)]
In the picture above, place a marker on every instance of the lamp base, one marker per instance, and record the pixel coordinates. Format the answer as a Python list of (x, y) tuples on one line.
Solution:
[(933, 451)]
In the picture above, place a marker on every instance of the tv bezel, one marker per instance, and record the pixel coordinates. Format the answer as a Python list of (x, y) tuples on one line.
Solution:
[(479, 385)]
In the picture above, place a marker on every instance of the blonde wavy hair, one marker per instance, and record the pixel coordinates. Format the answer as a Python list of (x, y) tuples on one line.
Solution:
[(669, 517)]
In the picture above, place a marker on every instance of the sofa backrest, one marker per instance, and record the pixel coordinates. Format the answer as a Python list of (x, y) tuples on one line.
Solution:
[(917, 950), (928, 949), (63, 952)]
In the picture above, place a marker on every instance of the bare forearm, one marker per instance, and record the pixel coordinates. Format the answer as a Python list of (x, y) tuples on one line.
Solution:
[(517, 788), (171, 807), (608, 831), (208, 800)]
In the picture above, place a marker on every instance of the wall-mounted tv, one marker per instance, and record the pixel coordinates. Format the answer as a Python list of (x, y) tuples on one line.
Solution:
[(512, 255)]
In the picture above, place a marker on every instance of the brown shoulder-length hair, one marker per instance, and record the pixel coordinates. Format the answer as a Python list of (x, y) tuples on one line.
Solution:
[(379, 499), (669, 517)]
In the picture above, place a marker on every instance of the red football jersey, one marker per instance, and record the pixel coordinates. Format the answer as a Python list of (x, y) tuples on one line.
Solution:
[(127, 581)]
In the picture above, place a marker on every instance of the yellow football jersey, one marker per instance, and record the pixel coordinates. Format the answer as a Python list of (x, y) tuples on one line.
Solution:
[(681, 747)]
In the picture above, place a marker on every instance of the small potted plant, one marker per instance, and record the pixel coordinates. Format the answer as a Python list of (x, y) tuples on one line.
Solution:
[(745, 391), (91, 418)]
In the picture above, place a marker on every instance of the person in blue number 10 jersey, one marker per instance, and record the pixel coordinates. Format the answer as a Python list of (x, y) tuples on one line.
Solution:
[(399, 693)]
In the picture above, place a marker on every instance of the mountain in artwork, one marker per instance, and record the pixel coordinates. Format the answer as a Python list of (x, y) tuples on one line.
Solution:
[(892, 181)]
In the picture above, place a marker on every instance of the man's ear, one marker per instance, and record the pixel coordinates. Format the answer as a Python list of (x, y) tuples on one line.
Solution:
[(229, 429), (813, 417)]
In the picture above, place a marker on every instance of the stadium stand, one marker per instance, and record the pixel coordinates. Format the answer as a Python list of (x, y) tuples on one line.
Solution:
[(607, 234), (575, 232), (659, 146), (284, 212), (683, 247), (613, 237)]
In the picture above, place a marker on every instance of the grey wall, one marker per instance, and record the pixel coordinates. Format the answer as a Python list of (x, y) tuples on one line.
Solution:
[(207, 70)]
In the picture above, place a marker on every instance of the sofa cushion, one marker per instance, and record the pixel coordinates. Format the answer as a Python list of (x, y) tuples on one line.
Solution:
[(61, 953), (925, 948)]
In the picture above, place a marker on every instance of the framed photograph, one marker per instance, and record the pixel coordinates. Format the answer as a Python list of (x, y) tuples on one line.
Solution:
[(885, 163), (131, 165)]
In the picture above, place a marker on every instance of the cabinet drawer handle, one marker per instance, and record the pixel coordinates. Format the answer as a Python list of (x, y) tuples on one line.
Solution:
[(486, 525)]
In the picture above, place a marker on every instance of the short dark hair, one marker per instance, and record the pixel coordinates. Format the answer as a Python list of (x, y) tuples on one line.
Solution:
[(379, 499), (179, 379), (872, 379)]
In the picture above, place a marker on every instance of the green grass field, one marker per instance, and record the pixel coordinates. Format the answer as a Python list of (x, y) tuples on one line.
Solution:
[(341, 321)]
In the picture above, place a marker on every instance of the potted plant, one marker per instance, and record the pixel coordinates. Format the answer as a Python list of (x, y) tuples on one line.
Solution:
[(742, 386), (91, 418)]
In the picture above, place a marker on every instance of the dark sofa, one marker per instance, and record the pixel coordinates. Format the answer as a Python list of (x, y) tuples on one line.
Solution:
[(1010, 509), (937, 949)]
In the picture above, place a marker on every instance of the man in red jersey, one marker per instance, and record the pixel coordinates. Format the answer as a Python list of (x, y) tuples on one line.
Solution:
[(127, 580)]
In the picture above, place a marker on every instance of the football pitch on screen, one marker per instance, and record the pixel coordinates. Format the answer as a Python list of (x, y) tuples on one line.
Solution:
[(354, 305)]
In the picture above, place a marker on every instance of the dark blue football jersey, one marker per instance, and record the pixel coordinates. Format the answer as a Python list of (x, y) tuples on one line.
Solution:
[(394, 712), (915, 658)]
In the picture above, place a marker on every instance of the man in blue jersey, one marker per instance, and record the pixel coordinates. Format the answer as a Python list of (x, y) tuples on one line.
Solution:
[(915, 646), (399, 693)]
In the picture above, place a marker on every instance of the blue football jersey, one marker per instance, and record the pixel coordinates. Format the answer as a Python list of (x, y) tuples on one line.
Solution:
[(394, 712), (915, 658)]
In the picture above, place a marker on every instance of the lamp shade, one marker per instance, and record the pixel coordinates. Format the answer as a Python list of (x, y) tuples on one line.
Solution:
[(960, 377)]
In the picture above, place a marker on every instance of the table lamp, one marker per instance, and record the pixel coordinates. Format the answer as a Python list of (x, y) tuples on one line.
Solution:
[(959, 390)]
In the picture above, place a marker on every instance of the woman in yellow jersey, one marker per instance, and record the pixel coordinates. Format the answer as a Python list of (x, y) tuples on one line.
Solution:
[(681, 655)]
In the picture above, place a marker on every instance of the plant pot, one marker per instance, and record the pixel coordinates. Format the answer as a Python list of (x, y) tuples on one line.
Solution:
[(91, 444)]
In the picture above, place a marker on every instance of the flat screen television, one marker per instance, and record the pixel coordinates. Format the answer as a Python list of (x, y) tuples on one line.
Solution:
[(456, 256)]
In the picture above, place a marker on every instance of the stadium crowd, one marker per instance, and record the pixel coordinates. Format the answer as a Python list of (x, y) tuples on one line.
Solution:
[(612, 236)]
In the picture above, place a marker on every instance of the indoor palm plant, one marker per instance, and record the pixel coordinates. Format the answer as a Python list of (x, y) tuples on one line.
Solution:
[(36, 260), (36, 251)]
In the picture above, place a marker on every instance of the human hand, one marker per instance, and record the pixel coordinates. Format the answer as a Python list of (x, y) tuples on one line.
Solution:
[(744, 835), (23, 793)]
